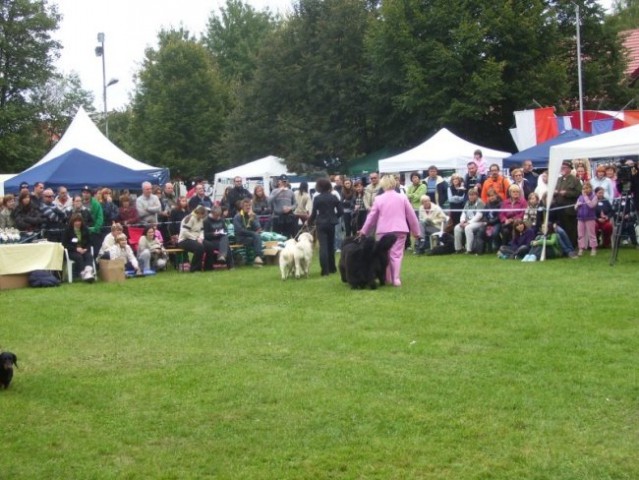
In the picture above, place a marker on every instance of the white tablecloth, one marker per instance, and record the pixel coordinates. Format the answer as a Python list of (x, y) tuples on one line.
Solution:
[(23, 258)]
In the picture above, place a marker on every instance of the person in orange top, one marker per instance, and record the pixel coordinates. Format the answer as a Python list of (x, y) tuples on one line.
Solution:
[(495, 181)]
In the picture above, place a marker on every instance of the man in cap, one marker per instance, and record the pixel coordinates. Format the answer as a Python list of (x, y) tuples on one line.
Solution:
[(567, 192), (282, 204)]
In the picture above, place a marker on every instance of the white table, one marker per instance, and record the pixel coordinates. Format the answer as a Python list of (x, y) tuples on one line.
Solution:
[(27, 257)]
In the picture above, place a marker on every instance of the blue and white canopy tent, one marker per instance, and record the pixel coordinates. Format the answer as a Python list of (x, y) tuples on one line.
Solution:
[(539, 155), (84, 156)]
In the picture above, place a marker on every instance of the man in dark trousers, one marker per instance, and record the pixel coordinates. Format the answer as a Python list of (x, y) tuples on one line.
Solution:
[(566, 193)]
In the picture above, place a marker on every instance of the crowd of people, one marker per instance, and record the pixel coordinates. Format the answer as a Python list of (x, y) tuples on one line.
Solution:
[(482, 211)]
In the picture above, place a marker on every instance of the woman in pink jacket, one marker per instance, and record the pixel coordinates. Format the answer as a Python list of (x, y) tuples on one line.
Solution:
[(392, 213)]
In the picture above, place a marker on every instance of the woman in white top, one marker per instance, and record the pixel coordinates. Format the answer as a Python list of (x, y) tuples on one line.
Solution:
[(110, 238), (542, 186), (122, 250)]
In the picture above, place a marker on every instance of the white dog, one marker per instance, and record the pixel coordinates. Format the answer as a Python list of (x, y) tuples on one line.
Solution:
[(303, 254), (287, 258)]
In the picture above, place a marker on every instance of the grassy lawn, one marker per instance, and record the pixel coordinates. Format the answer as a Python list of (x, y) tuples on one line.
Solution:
[(476, 368)]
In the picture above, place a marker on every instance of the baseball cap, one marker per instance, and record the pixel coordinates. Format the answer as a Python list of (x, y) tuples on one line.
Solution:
[(86, 188), (24, 185), (283, 178)]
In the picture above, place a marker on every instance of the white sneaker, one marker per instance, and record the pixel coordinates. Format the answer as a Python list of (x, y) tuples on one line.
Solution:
[(160, 264), (258, 261)]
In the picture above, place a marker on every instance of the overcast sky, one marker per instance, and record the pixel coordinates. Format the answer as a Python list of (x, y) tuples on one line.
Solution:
[(130, 26)]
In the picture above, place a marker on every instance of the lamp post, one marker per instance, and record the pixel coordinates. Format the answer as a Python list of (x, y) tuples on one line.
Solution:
[(579, 79), (99, 52)]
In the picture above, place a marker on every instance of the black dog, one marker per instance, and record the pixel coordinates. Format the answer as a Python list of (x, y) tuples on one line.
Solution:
[(7, 361), (363, 261)]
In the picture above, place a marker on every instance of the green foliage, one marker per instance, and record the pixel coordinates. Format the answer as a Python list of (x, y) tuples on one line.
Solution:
[(179, 107), (58, 100), (475, 368), (26, 63), (234, 38), (625, 15), (307, 101)]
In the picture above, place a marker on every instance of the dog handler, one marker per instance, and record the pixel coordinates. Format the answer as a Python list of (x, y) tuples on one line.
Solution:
[(392, 213), (327, 209)]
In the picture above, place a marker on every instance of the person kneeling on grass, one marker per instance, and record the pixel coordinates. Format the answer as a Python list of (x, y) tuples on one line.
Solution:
[(247, 230), (122, 250)]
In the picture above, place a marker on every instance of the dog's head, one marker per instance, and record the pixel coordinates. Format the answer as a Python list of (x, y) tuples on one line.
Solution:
[(8, 360), (305, 237)]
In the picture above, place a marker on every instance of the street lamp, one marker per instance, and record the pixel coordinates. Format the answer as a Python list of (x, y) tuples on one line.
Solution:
[(99, 52)]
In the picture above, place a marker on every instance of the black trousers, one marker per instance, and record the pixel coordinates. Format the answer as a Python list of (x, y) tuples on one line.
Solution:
[(326, 238), (198, 250)]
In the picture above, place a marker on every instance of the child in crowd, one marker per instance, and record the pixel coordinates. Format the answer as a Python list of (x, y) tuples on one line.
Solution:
[(586, 220)]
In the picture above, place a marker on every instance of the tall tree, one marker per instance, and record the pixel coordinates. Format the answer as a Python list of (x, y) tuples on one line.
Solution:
[(27, 52), (307, 101), (179, 106), (235, 36), (625, 15), (58, 101)]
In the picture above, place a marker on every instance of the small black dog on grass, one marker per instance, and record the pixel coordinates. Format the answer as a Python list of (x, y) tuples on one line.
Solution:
[(7, 361)]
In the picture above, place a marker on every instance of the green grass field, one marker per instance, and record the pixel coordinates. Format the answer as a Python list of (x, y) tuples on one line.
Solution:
[(476, 368)]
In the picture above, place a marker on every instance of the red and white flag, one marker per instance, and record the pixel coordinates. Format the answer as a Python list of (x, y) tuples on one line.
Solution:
[(535, 126)]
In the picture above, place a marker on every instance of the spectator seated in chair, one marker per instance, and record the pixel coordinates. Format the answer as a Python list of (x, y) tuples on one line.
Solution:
[(192, 240), (470, 221), (151, 253), (77, 241), (215, 233), (247, 230), (431, 220)]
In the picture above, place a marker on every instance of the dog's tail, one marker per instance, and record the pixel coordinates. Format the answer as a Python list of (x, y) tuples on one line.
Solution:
[(385, 243)]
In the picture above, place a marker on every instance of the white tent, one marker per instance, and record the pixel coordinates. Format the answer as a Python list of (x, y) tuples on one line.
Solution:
[(617, 143), (3, 178), (255, 172), (445, 150)]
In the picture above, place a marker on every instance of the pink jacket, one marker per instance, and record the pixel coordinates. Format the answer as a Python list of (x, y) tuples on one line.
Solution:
[(391, 212)]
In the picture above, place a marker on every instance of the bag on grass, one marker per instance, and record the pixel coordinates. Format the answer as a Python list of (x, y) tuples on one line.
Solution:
[(43, 278)]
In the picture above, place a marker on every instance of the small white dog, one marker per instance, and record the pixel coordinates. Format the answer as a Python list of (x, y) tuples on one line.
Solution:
[(287, 258), (303, 254)]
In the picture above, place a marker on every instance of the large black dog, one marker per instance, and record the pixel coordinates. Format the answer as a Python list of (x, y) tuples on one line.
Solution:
[(7, 361), (363, 261)]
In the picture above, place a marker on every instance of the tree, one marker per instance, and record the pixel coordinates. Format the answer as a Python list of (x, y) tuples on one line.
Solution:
[(234, 38), (58, 101), (179, 106), (27, 52), (625, 15), (307, 101)]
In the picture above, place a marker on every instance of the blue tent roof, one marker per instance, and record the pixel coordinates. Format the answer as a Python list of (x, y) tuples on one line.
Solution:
[(539, 154), (75, 169), (84, 156)]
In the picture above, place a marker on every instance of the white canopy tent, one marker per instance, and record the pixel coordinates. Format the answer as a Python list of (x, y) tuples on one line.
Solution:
[(253, 173), (445, 150), (612, 144), (617, 143)]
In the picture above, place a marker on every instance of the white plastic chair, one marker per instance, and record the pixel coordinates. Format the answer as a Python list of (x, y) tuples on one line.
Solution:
[(69, 264)]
